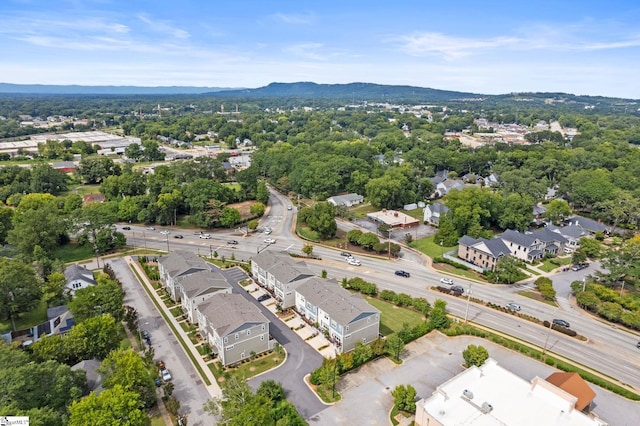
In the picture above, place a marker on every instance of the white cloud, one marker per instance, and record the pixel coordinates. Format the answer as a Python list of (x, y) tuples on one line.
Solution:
[(291, 18), (420, 44), (307, 51), (164, 27)]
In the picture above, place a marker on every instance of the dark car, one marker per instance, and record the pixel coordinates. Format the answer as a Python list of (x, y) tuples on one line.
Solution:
[(457, 288), (638, 345), (403, 274), (264, 297), (345, 254), (178, 236), (145, 334), (234, 242), (126, 228), (579, 266), (561, 323)]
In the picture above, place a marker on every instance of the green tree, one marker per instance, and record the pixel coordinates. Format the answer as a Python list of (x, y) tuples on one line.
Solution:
[(447, 232), (230, 217), (262, 193), (475, 355), (578, 256), (438, 318), (545, 287), (590, 247), (53, 289), (95, 170), (126, 368), (106, 297), (307, 249), (394, 346), (115, 406), (557, 211), (361, 353), (257, 209), (322, 220), (94, 337), (507, 270), (239, 406), (20, 291), (404, 398), (517, 212)]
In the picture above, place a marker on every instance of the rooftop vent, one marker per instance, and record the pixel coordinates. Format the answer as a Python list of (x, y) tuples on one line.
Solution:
[(467, 394), (486, 407)]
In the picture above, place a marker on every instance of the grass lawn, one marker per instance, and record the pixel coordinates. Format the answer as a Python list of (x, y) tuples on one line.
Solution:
[(28, 319), (176, 311), (550, 264), (250, 369), (531, 271), (158, 420), (362, 210), (429, 247), (73, 252), (392, 317), (308, 234), (537, 296), (415, 213)]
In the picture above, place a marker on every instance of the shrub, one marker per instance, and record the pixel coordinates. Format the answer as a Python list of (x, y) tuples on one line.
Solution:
[(388, 295), (475, 355)]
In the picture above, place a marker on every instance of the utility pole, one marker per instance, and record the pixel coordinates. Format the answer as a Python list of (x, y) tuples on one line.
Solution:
[(466, 313), (167, 243)]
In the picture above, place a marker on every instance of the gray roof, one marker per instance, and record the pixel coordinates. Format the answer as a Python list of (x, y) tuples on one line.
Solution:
[(94, 379), (56, 311), (229, 313), (587, 224), (341, 199), (282, 266), (181, 262), (516, 237), (547, 235), (341, 305), (496, 246), (203, 282), (77, 272), (539, 209), (572, 231), (438, 208)]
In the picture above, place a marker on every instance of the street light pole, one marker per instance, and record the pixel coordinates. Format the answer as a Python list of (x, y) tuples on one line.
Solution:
[(466, 313), (441, 248), (167, 243)]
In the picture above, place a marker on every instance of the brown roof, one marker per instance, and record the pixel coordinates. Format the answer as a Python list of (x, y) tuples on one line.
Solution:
[(574, 384)]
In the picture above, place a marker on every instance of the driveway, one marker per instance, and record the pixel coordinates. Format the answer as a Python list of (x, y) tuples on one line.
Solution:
[(431, 361), (188, 387), (301, 358)]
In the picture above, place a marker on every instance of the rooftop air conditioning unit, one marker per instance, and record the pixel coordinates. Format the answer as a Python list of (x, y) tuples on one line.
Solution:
[(486, 407), (467, 394)]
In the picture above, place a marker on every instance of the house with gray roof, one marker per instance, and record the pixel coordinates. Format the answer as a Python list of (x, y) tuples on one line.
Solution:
[(347, 317), (347, 200), (482, 252), (589, 225), (443, 188), (433, 212), (280, 274), (234, 327), (176, 265), (197, 288), (572, 233), (77, 277), (523, 246)]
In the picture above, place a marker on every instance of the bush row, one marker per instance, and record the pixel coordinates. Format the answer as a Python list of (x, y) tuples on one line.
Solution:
[(456, 265)]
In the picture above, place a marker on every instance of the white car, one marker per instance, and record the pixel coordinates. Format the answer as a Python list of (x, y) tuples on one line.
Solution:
[(447, 281), (270, 241), (267, 231), (354, 262), (165, 232), (166, 376), (205, 236)]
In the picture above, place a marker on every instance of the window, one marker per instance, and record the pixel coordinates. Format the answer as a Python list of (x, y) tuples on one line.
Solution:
[(226, 340), (242, 355), (262, 337), (248, 332), (237, 336), (228, 348), (263, 326), (346, 328)]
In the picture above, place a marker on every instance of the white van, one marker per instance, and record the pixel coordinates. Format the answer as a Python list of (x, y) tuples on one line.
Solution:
[(205, 236)]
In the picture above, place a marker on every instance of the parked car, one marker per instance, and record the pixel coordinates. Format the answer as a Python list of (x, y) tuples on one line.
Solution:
[(457, 288), (164, 232), (579, 266), (166, 375), (178, 236), (205, 236), (145, 334), (270, 241), (561, 323), (264, 297), (160, 365), (353, 261), (402, 273), (513, 306), (447, 281), (234, 242), (126, 228)]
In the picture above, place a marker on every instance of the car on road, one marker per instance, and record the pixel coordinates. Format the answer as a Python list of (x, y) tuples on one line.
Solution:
[(561, 323), (233, 242), (166, 375), (638, 345), (289, 208), (145, 334), (264, 297), (178, 236), (353, 261), (151, 228), (513, 306), (579, 266), (402, 273), (270, 241), (164, 232), (205, 236), (346, 254), (267, 231), (457, 288), (126, 228), (447, 281)]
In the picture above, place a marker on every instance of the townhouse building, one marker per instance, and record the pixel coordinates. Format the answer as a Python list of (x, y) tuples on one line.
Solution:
[(279, 273)]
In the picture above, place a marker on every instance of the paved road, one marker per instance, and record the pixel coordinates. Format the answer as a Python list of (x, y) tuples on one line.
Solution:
[(189, 389), (302, 359)]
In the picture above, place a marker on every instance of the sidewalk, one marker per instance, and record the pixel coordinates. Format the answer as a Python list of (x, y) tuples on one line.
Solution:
[(213, 389)]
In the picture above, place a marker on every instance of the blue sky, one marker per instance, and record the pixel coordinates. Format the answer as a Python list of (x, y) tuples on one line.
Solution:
[(482, 46)]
